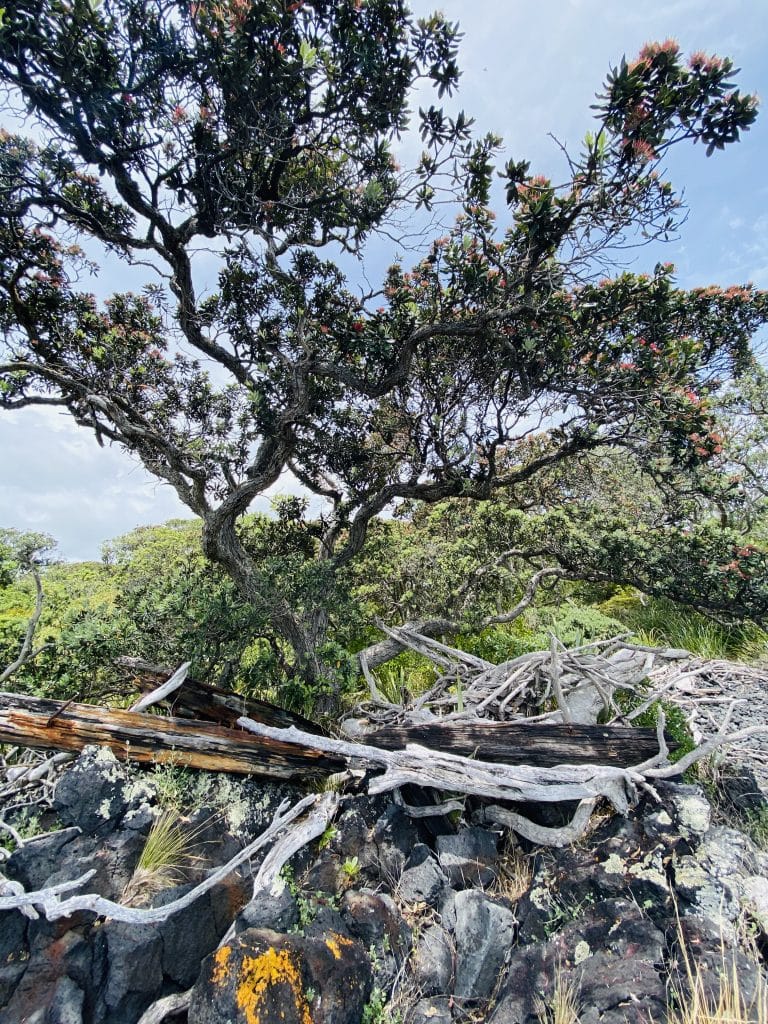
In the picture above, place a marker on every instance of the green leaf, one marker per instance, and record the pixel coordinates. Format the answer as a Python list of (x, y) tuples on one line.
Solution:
[(308, 54), (373, 191)]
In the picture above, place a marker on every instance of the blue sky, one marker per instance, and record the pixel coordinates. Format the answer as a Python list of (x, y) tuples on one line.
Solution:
[(528, 69)]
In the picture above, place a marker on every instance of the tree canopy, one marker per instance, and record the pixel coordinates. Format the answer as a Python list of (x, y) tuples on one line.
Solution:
[(264, 133)]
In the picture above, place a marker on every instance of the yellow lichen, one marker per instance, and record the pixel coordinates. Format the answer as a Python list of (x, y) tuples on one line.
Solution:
[(335, 942), (258, 974), (221, 965)]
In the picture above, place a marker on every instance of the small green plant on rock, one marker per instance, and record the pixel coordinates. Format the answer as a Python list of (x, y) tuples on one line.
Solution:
[(351, 868), (565, 909), (327, 837), (375, 1010), (755, 824)]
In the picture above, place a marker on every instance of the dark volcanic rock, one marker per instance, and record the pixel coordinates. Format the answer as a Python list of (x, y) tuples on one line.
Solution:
[(14, 954), (468, 858), (394, 836), (432, 1011), (93, 793), (484, 934), (374, 917), (133, 956), (67, 1004), (278, 913), (714, 954), (35, 991), (422, 879), (611, 955), (283, 979), (188, 936), (35, 862), (433, 962)]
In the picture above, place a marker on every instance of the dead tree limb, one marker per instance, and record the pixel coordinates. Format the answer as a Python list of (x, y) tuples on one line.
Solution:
[(152, 739), (167, 1006), (210, 703), (542, 744), (160, 693), (437, 770), (49, 901), (542, 835)]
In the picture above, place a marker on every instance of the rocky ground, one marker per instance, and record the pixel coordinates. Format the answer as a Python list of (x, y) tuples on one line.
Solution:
[(419, 921)]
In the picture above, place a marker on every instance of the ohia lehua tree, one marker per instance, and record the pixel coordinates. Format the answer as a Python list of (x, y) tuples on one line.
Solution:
[(261, 136)]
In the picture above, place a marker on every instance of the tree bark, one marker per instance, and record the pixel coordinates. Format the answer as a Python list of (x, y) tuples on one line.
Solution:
[(152, 739), (211, 703), (517, 743)]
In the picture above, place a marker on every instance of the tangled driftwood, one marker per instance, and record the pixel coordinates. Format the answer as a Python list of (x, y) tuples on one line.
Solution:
[(559, 690)]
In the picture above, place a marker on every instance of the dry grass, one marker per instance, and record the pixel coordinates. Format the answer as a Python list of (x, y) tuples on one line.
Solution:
[(694, 999), (165, 860), (515, 873), (564, 1005)]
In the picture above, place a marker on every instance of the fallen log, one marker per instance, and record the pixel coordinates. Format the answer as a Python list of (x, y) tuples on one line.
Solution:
[(50, 724), (210, 703), (542, 744), (154, 739)]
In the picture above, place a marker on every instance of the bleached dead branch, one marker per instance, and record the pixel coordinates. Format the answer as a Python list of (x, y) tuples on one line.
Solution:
[(285, 827)]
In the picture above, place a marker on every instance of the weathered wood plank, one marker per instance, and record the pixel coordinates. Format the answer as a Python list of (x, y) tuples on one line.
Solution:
[(543, 745), (153, 739)]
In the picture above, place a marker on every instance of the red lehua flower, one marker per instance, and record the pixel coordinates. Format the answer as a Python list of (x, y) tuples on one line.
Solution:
[(651, 50), (178, 114), (279, 47), (358, 326)]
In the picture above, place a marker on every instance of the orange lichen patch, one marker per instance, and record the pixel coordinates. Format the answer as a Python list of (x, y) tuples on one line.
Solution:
[(335, 942), (258, 974), (221, 965)]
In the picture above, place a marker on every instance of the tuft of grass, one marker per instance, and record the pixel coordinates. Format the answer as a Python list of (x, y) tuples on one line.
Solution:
[(564, 1005), (515, 873), (405, 677), (694, 999), (660, 622), (165, 860)]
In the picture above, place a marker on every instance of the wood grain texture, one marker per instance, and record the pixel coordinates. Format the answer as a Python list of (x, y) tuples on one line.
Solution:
[(153, 739)]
